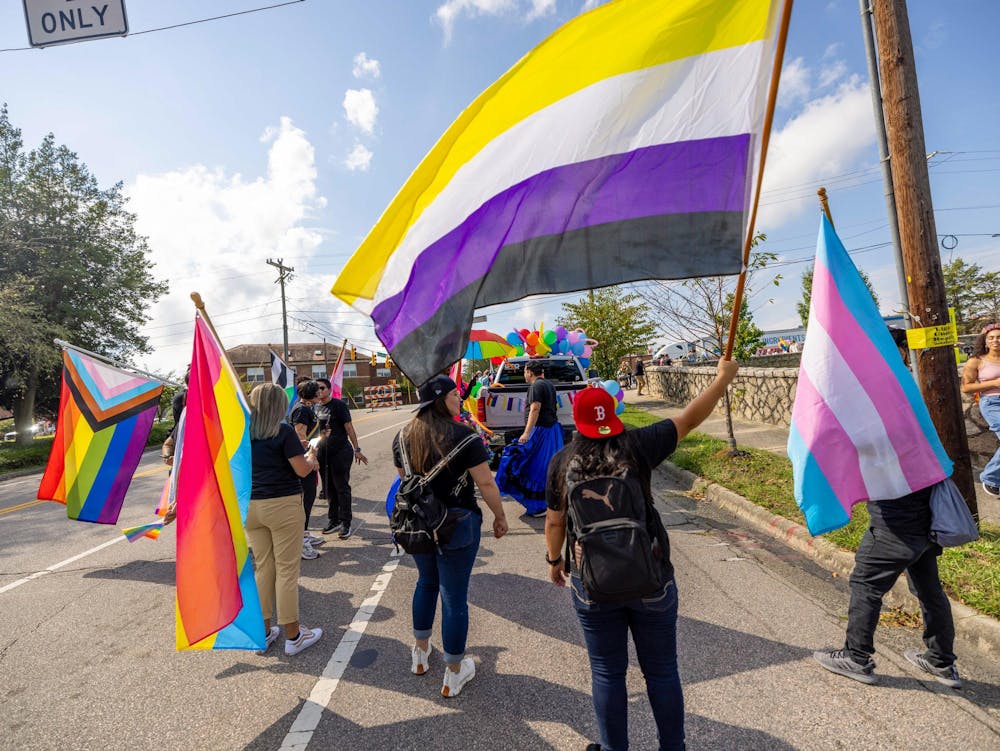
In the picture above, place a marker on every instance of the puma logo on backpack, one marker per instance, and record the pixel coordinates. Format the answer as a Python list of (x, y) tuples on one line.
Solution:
[(621, 537)]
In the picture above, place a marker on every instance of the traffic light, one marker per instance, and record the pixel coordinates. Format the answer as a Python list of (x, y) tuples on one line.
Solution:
[(388, 361), (373, 360), (354, 353)]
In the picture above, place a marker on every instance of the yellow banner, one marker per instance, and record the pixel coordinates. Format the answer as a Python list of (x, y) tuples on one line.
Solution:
[(934, 336)]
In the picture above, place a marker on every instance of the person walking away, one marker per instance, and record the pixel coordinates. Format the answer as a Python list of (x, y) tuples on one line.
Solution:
[(430, 436), (898, 539), (305, 424), (603, 448), (521, 473), (981, 377), (276, 516), (640, 376), (340, 450)]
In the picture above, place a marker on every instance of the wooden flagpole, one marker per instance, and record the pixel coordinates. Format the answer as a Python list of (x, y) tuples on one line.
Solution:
[(772, 96)]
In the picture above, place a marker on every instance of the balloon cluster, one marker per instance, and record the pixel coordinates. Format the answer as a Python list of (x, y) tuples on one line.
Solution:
[(615, 389), (557, 341)]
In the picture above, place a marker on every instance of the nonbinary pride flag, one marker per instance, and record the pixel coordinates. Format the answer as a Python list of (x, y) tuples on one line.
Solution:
[(217, 602), (105, 415), (284, 376), (860, 429), (623, 147)]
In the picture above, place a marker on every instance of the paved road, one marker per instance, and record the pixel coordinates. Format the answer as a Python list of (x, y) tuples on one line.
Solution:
[(87, 659)]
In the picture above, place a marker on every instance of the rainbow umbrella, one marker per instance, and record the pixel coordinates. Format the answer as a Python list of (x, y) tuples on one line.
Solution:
[(485, 344)]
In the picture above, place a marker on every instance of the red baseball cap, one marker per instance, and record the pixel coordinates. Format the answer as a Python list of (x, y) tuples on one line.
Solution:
[(594, 413)]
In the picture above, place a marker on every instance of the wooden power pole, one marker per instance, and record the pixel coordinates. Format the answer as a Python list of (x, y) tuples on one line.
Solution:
[(938, 374)]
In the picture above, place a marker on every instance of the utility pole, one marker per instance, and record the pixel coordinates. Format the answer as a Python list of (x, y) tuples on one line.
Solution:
[(284, 272), (938, 374)]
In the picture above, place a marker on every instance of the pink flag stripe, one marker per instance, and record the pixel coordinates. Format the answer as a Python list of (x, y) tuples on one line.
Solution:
[(872, 370), (828, 442)]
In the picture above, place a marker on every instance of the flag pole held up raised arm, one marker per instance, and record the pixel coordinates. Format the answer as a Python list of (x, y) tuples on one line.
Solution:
[(772, 96)]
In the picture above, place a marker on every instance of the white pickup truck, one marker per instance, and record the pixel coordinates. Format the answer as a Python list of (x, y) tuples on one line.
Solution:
[(501, 406)]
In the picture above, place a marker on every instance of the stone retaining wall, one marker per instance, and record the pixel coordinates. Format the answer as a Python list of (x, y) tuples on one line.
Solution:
[(766, 395)]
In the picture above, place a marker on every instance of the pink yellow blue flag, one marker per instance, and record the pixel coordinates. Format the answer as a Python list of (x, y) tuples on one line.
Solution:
[(860, 429), (105, 415), (217, 603)]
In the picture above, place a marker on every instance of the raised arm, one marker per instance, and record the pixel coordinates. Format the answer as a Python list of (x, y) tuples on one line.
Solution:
[(694, 414)]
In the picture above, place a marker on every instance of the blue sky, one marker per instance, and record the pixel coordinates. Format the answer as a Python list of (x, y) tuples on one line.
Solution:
[(285, 133)]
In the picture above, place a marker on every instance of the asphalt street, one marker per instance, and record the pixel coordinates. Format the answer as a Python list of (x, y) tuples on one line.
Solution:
[(87, 657)]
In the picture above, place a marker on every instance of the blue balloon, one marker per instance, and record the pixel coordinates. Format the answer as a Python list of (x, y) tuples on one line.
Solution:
[(620, 408), (612, 387), (585, 362), (513, 338), (578, 349), (390, 500)]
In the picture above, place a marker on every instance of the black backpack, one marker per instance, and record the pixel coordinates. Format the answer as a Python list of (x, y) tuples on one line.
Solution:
[(623, 543), (419, 518)]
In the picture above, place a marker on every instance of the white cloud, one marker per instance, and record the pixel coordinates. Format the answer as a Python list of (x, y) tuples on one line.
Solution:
[(359, 159), (795, 83), (832, 73), (590, 5), (366, 66), (450, 11), (360, 109), (829, 136), (211, 231)]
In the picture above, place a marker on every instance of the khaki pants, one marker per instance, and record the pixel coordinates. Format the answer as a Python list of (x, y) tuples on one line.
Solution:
[(641, 383), (274, 529)]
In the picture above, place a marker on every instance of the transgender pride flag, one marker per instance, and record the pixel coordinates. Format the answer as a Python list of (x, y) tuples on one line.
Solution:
[(623, 147), (860, 429)]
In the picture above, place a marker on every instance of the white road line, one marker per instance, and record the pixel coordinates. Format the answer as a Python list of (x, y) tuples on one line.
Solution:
[(56, 567), (382, 430), (311, 713)]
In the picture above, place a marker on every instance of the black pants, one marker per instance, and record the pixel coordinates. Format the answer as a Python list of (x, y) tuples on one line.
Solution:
[(883, 555), (337, 482), (309, 483)]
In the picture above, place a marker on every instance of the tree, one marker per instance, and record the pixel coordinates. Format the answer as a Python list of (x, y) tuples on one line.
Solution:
[(807, 284), (71, 266), (699, 310), (973, 293), (617, 319)]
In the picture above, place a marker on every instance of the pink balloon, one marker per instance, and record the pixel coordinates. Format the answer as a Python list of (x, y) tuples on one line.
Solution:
[(588, 351)]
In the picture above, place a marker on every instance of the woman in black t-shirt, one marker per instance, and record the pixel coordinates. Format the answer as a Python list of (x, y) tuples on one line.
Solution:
[(276, 517), (429, 436), (603, 448)]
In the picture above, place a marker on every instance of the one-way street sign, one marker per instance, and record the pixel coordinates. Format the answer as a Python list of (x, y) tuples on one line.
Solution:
[(64, 21)]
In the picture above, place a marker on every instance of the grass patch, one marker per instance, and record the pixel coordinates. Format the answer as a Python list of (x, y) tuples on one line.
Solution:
[(633, 417), (14, 457), (970, 573)]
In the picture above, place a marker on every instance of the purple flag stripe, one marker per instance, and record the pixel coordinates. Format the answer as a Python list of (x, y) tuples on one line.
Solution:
[(675, 178), (916, 458), (828, 442)]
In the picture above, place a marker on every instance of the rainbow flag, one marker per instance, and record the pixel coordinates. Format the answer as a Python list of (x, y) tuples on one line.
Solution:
[(623, 147), (105, 415), (217, 604), (151, 530), (860, 429), (284, 376)]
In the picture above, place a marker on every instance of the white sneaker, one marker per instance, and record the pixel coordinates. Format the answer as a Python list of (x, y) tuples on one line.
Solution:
[(455, 682), (308, 553), (313, 540), (307, 637), (272, 636), (421, 659)]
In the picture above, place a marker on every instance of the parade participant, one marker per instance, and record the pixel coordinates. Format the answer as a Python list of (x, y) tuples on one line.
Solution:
[(304, 421), (898, 539), (338, 451), (275, 518), (521, 473), (981, 375), (427, 438), (603, 448)]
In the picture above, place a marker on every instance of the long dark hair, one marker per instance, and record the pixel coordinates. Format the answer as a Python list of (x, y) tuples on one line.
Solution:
[(979, 348), (428, 436), (589, 457)]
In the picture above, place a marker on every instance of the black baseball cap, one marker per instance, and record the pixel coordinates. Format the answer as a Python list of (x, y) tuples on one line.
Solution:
[(434, 389)]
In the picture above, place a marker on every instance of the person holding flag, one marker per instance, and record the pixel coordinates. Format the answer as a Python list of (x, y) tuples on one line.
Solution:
[(338, 450)]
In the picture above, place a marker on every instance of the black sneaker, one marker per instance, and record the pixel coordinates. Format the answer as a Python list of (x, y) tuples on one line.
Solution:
[(947, 676), (992, 490), (345, 532), (839, 661), (332, 527)]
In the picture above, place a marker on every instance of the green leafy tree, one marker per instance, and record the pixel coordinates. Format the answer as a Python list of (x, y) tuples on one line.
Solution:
[(619, 320), (807, 283), (749, 337), (973, 293), (72, 266)]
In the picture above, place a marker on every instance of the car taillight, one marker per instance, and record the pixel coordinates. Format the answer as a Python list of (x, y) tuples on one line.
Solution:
[(481, 409)]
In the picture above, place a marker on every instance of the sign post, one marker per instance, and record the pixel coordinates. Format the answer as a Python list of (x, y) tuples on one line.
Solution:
[(64, 21)]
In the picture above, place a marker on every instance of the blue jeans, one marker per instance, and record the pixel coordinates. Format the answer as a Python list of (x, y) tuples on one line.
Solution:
[(653, 623), (989, 407), (448, 572)]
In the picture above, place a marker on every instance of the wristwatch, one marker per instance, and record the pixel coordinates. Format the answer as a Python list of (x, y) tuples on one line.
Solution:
[(357, 449), (552, 562)]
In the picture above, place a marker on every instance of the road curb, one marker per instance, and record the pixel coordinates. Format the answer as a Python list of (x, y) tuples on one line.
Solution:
[(973, 627)]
